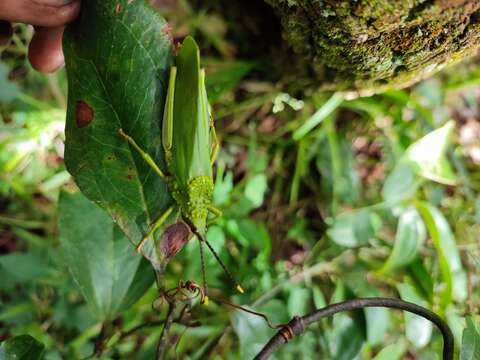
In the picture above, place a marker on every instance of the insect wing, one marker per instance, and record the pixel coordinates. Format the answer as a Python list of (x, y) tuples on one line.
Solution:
[(201, 164), (191, 133)]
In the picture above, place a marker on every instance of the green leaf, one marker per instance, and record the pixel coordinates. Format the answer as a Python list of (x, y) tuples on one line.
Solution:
[(224, 76), (353, 229), (450, 263), (392, 351), (471, 341), (410, 236), (298, 300), (118, 55), (321, 114), (428, 155), (255, 189), (21, 268), (455, 317), (421, 279), (401, 183), (418, 329), (8, 89), (377, 319), (22, 347), (347, 338), (223, 185), (252, 331), (108, 272), (318, 297)]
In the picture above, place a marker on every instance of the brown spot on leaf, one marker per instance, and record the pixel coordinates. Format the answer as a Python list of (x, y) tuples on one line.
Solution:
[(168, 32), (174, 239), (118, 9), (83, 114), (130, 177)]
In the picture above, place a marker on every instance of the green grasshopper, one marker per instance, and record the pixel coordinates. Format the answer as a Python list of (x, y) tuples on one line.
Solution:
[(190, 145)]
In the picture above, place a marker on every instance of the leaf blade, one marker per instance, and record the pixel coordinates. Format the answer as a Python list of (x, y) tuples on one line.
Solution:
[(22, 347), (122, 85), (449, 258), (470, 341), (100, 259), (410, 236)]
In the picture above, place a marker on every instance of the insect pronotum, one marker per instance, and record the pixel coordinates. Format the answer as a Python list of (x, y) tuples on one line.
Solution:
[(190, 146)]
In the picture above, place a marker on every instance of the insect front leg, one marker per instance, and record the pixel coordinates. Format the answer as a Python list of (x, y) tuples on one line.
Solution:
[(154, 227), (143, 154), (217, 213), (215, 143)]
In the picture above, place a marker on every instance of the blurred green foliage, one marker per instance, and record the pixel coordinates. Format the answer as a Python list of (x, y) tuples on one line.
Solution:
[(376, 196)]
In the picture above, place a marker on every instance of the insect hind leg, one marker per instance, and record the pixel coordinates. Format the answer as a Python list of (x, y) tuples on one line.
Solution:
[(157, 223), (148, 159)]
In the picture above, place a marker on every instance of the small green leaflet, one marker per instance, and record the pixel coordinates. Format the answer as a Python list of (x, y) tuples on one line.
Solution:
[(410, 236)]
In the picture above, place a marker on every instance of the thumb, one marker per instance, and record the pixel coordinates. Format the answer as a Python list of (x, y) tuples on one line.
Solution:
[(49, 13)]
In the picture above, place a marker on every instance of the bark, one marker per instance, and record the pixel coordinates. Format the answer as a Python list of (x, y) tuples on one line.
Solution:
[(361, 46)]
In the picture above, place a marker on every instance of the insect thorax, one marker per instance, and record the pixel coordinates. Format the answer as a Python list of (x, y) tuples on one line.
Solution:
[(195, 199)]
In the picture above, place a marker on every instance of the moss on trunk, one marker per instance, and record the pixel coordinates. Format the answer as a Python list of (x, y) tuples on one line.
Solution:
[(362, 45), (371, 44)]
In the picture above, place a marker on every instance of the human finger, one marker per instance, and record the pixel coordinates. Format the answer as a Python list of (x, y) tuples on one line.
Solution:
[(49, 13), (45, 50)]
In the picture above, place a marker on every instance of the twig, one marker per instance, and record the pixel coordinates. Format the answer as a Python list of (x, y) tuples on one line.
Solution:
[(298, 324), (99, 342), (316, 270), (307, 273), (141, 326), (162, 342)]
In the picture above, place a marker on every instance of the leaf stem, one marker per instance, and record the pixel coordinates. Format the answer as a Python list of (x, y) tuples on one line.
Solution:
[(162, 341), (99, 342)]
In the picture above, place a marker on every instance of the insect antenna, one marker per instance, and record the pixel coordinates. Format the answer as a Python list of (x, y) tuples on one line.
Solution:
[(227, 272), (204, 275), (256, 313)]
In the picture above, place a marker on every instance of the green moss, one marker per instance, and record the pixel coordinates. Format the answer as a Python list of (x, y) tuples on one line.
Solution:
[(367, 45), (351, 45)]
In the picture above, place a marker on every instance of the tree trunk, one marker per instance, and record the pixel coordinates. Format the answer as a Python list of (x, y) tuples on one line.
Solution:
[(357, 45)]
